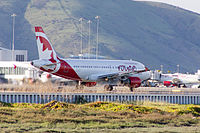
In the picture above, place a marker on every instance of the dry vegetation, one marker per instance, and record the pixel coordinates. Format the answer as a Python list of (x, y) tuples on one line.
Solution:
[(55, 88), (99, 117)]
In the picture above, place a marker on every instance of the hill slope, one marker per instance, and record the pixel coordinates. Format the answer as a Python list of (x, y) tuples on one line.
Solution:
[(24, 37), (153, 33)]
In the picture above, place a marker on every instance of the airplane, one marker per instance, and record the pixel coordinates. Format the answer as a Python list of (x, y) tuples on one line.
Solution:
[(178, 79), (87, 72)]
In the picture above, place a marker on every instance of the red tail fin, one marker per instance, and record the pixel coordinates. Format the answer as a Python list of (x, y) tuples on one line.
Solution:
[(45, 48)]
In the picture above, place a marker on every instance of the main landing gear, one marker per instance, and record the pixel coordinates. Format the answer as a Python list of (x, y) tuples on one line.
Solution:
[(131, 89), (108, 87), (79, 87)]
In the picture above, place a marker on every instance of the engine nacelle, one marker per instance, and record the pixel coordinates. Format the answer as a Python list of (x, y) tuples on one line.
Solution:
[(93, 77), (89, 84), (132, 82), (176, 81), (171, 83), (167, 83)]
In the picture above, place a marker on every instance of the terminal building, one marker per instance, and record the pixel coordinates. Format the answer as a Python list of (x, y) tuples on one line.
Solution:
[(13, 55), (17, 72), (14, 67)]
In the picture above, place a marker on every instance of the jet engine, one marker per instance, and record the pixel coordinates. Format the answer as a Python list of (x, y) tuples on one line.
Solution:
[(176, 81), (167, 83), (132, 82), (89, 84)]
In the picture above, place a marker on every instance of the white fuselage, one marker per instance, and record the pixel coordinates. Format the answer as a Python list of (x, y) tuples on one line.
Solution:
[(88, 70), (91, 70), (184, 78), (90, 67)]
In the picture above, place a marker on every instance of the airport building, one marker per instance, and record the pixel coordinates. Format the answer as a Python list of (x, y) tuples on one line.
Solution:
[(13, 55), (14, 66), (15, 71)]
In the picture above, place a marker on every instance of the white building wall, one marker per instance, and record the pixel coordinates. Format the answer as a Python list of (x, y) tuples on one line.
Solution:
[(20, 52), (13, 70), (6, 55)]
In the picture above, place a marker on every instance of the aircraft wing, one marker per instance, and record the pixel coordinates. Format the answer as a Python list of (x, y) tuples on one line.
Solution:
[(115, 75), (112, 75), (120, 74)]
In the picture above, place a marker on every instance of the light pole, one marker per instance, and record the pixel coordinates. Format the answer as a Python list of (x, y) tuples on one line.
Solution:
[(161, 68), (89, 22), (97, 18), (13, 41), (81, 20), (178, 68)]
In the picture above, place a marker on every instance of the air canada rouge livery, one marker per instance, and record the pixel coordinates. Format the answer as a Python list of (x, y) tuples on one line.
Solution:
[(89, 71)]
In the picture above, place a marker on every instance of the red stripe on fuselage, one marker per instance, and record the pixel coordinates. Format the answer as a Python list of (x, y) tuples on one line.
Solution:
[(66, 71)]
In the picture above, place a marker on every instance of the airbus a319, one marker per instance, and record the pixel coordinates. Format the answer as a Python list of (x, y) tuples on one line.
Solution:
[(88, 72)]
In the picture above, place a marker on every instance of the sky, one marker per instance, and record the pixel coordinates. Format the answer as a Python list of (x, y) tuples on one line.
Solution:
[(192, 5)]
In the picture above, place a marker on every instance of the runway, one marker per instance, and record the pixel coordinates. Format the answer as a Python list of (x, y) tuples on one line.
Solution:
[(53, 88)]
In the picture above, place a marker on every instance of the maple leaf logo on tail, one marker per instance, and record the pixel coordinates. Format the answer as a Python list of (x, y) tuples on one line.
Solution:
[(45, 48)]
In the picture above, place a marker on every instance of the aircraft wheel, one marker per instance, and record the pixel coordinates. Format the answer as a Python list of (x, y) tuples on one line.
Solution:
[(111, 87), (105, 87), (108, 87), (131, 89), (79, 86)]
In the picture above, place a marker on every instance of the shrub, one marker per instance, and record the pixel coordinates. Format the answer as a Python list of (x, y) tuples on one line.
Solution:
[(3, 104), (116, 107), (55, 105)]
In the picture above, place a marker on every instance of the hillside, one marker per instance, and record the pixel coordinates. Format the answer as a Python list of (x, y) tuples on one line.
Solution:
[(24, 37), (152, 33)]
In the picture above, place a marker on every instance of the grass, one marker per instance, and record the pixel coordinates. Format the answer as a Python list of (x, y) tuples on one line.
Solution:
[(98, 116)]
